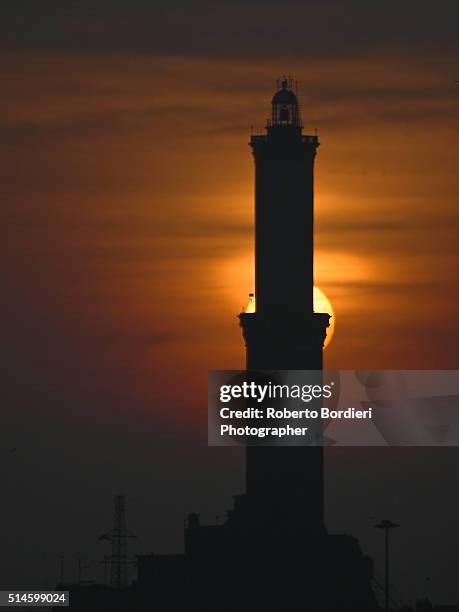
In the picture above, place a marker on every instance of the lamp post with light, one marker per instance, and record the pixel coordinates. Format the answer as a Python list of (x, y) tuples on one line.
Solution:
[(386, 525)]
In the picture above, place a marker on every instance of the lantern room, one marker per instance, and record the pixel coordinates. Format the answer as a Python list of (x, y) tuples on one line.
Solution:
[(285, 108)]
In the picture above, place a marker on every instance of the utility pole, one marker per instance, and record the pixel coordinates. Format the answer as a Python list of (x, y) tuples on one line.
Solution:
[(61, 570), (81, 567), (105, 562), (386, 525)]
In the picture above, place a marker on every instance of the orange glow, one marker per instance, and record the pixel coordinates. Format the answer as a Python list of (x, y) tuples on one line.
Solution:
[(133, 235)]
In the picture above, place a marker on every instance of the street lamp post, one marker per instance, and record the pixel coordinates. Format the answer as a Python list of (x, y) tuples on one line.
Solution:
[(386, 525)]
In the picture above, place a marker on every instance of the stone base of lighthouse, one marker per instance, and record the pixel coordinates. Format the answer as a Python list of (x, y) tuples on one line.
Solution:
[(244, 565)]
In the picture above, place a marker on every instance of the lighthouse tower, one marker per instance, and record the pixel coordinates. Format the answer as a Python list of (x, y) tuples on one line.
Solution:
[(272, 551), (285, 333)]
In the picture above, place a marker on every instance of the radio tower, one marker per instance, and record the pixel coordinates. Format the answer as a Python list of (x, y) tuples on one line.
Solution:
[(118, 537)]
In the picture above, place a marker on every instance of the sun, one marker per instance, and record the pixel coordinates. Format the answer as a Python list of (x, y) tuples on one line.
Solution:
[(321, 304)]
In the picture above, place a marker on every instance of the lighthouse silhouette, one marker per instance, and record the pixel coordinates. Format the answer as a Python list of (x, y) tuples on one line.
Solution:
[(273, 552), (285, 333)]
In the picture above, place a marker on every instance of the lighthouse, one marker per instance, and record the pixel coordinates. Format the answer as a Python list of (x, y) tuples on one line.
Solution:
[(284, 332), (272, 551)]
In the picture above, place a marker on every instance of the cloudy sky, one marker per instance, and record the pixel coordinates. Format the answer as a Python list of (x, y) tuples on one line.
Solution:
[(126, 185)]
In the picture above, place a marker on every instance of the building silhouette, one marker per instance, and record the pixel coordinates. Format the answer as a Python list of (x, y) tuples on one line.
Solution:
[(273, 551)]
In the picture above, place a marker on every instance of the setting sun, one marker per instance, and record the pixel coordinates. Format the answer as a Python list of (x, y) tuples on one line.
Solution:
[(321, 304)]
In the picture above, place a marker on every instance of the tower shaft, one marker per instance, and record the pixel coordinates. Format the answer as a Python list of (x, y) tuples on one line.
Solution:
[(284, 333), (284, 221)]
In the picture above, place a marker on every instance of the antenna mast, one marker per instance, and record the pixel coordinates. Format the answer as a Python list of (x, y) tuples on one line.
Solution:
[(118, 537)]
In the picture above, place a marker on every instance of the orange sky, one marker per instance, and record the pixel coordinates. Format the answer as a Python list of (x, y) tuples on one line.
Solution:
[(128, 192)]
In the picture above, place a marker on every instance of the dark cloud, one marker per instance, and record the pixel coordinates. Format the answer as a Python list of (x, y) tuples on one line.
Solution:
[(255, 28)]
